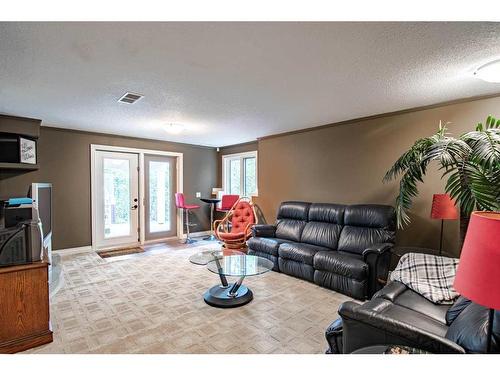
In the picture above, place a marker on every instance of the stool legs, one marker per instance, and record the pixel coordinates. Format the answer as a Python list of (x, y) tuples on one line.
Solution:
[(211, 237), (188, 239)]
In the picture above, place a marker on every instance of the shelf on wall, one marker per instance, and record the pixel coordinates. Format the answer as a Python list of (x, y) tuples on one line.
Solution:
[(19, 166)]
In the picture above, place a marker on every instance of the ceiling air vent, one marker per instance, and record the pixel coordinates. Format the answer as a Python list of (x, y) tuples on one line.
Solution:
[(130, 98)]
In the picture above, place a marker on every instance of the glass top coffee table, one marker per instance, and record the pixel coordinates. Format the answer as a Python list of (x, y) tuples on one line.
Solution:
[(227, 263)]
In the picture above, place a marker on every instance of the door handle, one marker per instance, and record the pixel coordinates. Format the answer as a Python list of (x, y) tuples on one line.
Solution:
[(134, 207)]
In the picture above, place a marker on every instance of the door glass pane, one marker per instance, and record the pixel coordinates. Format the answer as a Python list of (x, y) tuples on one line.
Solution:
[(234, 176), (159, 196), (116, 197), (250, 180)]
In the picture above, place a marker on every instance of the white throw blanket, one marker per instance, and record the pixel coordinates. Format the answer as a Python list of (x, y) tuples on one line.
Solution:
[(428, 275)]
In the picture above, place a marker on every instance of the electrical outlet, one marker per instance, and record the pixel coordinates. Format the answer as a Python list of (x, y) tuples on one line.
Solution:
[(198, 194)]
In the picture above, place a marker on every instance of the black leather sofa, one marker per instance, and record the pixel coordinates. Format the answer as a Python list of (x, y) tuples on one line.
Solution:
[(344, 248), (397, 315)]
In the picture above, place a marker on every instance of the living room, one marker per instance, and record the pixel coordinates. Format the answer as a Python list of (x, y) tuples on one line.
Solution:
[(328, 188)]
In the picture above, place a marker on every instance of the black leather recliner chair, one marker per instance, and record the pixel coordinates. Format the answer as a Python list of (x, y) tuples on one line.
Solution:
[(344, 248), (396, 315)]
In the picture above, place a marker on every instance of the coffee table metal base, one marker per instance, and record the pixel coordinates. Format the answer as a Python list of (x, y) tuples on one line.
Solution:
[(219, 296)]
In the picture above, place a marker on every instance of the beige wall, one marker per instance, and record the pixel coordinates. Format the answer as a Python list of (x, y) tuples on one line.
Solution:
[(346, 164), (64, 158), (340, 163)]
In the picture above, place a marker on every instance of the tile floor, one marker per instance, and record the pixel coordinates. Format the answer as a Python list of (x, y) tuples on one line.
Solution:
[(152, 303)]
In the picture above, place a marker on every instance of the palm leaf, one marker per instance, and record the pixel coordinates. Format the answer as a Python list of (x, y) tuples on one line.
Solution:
[(473, 188), (471, 165), (485, 146), (448, 151), (410, 158)]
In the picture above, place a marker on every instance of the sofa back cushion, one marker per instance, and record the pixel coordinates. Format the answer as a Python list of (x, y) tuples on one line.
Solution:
[(292, 218), (324, 225), (366, 225)]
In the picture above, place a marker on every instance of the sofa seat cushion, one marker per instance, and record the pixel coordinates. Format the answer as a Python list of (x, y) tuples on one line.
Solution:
[(391, 311), (413, 301), (401, 295), (299, 252), (341, 264), (265, 245)]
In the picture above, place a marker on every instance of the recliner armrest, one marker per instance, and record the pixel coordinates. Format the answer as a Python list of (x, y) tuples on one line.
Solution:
[(365, 325), (263, 230), (333, 336), (378, 258)]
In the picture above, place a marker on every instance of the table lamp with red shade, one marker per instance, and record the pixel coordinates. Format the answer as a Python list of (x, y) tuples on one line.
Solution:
[(478, 273), (443, 208)]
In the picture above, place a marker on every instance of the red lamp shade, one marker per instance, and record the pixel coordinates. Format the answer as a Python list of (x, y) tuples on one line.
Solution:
[(443, 207), (478, 273)]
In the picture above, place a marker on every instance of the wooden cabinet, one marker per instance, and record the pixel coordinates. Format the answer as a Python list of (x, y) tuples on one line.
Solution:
[(15, 127), (24, 307), (20, 125)]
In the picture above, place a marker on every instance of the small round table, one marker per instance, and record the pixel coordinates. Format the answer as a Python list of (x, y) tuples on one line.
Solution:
[(230, 263), (205, 257), (235, 294), (213, 202)]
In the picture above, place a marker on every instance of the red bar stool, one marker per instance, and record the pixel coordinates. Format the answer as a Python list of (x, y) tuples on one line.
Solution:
[(227, 202), (181, 205)]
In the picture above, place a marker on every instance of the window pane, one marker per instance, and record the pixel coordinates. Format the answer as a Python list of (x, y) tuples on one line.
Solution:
[(159, 193), (250, 178), (116, 198), (234, 176)]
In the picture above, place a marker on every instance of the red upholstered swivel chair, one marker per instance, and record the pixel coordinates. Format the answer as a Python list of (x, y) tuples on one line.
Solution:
[(242, 218), (186, 208)]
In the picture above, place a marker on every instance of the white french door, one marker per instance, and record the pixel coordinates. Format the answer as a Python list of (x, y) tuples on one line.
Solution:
[(133, 195), (116, 198), (159, 197)]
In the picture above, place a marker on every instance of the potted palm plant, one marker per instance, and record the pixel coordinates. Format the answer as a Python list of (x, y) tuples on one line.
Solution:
[(471, 164)]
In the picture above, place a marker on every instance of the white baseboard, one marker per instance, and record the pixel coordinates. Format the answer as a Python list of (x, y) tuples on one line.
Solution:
[(88, 249), (74, 250)]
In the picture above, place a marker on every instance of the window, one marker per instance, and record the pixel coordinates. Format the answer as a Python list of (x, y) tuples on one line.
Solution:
[(239, 175)]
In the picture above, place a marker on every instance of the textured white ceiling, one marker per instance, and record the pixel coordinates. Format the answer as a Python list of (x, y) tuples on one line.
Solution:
[(233, 82)]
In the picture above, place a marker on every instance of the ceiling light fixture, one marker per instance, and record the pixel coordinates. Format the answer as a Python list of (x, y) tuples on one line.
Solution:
[(174, 128), (489, 72)]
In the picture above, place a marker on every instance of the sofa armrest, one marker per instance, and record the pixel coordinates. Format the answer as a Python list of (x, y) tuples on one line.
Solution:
[(263, 230), (367, 325), (333, 336), (378, 258), (378, 249)]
